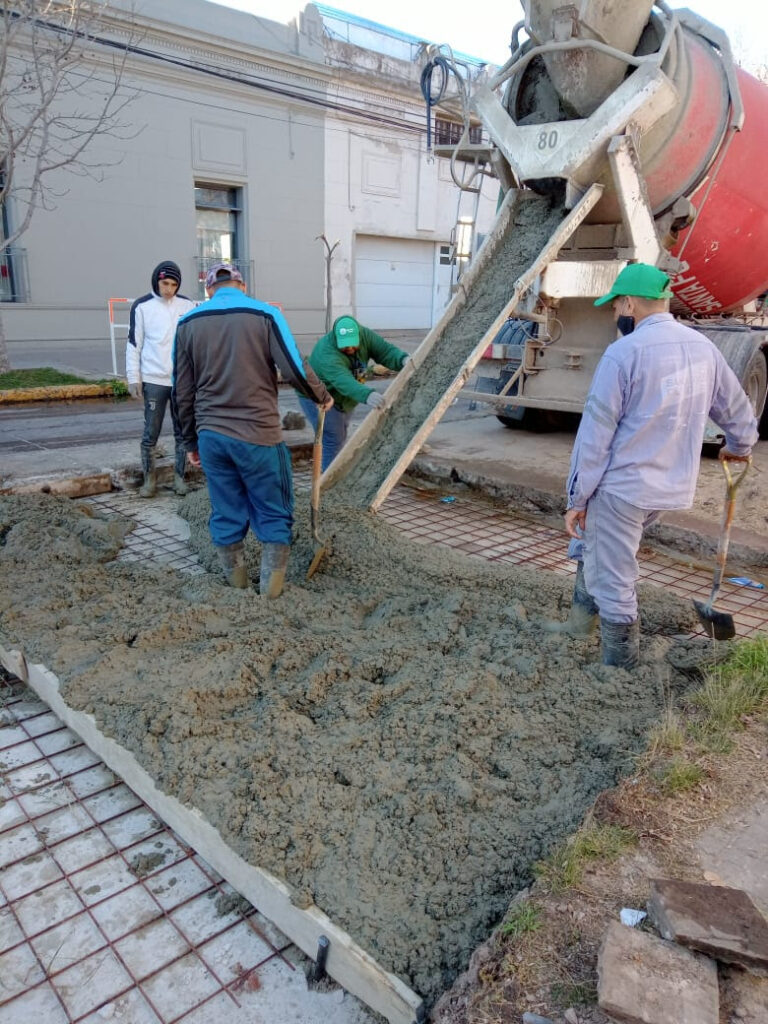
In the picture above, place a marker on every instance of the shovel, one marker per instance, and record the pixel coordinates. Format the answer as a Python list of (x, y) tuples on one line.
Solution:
[(719, 625), (322, 548)]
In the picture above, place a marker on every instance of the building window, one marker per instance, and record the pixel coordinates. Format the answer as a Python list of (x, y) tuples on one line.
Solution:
[(448, 133), (445, 256), (218, 213)]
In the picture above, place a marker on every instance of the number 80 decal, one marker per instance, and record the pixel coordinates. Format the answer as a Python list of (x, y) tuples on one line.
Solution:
[(548, 140)]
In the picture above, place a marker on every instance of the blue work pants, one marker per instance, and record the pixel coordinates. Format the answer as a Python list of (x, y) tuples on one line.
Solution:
[(609, 551), (248, 484), (334, 429)]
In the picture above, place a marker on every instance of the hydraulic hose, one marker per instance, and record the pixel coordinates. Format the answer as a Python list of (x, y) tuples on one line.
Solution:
[(432, 98)]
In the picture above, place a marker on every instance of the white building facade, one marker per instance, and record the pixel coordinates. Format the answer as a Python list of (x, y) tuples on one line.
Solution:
[(247, 140)]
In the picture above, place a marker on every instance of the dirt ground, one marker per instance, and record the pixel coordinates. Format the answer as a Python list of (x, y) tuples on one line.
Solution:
[(397, 739)]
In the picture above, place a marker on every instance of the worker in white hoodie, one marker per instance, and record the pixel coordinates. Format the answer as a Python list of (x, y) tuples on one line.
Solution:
[(148, 364)]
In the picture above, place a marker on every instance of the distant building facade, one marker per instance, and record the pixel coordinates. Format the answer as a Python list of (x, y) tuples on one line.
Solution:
[(247, 140)]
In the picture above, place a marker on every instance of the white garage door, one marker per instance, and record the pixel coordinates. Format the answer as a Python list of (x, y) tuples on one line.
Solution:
[(394, 280)]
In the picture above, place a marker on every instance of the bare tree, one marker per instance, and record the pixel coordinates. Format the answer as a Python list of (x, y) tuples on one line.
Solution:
[(60, 90)]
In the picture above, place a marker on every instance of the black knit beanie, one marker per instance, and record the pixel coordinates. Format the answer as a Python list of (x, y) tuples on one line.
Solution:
[(166, 271)]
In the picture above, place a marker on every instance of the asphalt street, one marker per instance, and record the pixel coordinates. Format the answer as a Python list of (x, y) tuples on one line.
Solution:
[(60, 425), (70, 424)]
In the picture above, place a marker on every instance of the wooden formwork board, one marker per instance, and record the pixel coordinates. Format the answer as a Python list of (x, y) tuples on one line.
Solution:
[(64, 487), (347, 963), (343, 462)]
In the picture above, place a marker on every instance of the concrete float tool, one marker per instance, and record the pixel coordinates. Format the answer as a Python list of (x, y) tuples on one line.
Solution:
[(322, 547), (720, 625)]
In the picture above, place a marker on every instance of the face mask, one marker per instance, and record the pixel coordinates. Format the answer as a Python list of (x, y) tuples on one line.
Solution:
[(626, 324)]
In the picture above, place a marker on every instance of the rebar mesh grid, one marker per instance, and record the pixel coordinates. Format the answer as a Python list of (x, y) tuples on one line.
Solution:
[(482, 531), (160, 536), (462, 523), (104, 911)]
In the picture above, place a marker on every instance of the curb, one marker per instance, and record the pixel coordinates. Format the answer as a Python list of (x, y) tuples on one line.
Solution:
[(57, 392)]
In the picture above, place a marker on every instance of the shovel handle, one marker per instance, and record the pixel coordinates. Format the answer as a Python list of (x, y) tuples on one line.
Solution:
[(317, 461), (733, 484)]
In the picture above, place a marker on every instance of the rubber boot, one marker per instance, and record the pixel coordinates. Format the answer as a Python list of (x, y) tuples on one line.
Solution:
[(621, 643), (582, 618), (274, 561), (179, 483), (232, 560), (149, 488)]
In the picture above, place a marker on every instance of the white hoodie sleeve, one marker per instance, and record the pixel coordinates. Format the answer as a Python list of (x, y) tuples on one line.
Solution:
[(134, 344)]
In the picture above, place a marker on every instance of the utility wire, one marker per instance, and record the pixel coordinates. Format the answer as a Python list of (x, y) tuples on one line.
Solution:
[(250, 80)]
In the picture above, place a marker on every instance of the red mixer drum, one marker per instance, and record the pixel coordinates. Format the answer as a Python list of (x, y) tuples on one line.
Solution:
[(693, 152), (725, 251)]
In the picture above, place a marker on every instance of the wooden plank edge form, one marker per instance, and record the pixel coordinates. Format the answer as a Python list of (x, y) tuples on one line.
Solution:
[(348, 964), (64, 487)]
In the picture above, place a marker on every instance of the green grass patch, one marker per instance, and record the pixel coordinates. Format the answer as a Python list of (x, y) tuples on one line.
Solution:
[(46, 376), (565, 867), (524, 918), (667, 736), (733, 691), (680, 775)]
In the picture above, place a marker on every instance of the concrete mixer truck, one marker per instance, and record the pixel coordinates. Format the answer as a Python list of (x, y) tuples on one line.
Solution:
[(620, 131), (646, 104)]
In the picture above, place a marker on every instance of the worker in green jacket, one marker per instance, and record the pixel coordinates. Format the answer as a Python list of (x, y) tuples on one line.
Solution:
[(340, 359)]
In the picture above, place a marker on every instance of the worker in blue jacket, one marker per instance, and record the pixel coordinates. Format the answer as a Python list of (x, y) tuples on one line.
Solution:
[(638, 448)]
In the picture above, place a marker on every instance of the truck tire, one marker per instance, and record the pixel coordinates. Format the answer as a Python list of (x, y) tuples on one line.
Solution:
[(541, 421), (511, 422)]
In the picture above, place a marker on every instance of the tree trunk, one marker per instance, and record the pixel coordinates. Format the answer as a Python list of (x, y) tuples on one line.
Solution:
[(5, 363)]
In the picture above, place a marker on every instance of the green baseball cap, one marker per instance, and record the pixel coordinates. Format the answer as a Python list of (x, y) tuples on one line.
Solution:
[(347, 331), (641, 280)]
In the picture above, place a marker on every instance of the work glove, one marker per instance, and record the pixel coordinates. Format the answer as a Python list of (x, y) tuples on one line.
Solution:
[(375, 400), (134, 389), (405, 360)]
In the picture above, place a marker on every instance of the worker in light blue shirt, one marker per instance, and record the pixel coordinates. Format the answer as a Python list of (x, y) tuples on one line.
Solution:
[(638, 448)]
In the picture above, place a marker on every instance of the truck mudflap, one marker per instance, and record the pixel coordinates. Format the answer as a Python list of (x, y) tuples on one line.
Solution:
[(745, 350)]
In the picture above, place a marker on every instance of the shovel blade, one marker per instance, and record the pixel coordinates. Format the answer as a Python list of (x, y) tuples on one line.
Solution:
[(317, 558), (718, 625)]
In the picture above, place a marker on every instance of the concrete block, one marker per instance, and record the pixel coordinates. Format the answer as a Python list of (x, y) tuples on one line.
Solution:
[(644, 980), (723, 923)]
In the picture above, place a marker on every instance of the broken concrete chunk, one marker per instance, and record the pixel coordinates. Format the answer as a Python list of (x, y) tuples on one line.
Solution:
[(644, 980), (722, 922)]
